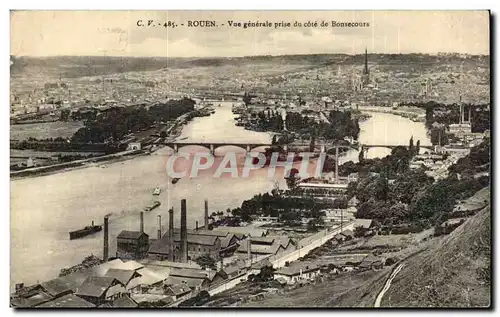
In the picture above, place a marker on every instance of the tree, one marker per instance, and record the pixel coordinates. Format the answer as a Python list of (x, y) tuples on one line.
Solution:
[(359, 232), (206, 261), (275, 139), (411, 147), (246, 99), (313, 224), (417, 148), (293, 179), (312, 144), (266, 273), (64, 115), (361, 156)]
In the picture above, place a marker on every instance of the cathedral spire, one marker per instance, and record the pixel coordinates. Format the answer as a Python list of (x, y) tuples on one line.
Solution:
[(366, 72)]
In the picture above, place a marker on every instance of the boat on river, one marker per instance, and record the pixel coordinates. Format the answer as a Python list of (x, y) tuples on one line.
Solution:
[(157, 191), (175, 180), (154, 205), (88, 230)]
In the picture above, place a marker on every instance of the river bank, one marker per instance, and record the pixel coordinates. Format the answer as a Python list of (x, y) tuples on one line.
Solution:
[(52, 205)]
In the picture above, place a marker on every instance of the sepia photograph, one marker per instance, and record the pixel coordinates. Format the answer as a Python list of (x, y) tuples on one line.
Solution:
[(250, 159)]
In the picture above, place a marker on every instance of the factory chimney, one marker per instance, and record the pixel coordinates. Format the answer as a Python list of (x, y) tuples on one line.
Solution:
[(196, 225), (206, 214), (105, 255), (184, 242), (141, 228), (159, 227), (249, 250), (171, 234)]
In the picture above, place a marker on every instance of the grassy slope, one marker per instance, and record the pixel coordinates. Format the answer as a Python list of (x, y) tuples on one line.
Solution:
[(452, 273)]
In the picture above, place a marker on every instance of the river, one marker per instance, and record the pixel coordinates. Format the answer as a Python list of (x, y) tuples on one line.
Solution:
[(45, 208)]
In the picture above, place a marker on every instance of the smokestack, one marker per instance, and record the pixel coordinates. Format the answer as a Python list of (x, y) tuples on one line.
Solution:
[(105, 255), (249, 249), (141, 228), (206, 214), (171, 235), (196, 225), (470, 114), (159, 227), (463, 113), (184, 242)]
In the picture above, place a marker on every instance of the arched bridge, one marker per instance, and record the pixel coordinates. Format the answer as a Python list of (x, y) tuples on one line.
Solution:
[(212, 146), (248, 147)]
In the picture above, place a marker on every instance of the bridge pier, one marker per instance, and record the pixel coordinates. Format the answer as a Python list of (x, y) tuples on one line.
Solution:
[(285, 148), (176, 148), (248, 148), (212, 149), (322, 150)]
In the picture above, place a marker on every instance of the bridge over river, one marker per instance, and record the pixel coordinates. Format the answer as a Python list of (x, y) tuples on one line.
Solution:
[(249, 147)]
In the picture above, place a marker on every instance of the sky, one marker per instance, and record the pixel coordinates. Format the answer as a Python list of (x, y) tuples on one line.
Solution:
[(115, 33)]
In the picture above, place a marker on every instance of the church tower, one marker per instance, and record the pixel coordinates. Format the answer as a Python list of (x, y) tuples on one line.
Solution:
[(366, 72)]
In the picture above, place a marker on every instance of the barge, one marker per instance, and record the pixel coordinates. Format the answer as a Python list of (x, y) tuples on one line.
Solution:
[(88, 230)]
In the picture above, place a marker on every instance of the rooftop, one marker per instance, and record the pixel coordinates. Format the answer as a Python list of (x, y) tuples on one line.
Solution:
[(133, 235), (179, 289), (193, 273), (123, 276), (296, 268), (327, 186), (150, 277), (247, 230), (189, 281), (168, 264), (68, 301), (124, 302), (161, 246), (95, 286), (365, 223)]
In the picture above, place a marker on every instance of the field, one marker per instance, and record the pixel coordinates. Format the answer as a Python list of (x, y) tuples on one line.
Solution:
[(330, 293), (44, 130)]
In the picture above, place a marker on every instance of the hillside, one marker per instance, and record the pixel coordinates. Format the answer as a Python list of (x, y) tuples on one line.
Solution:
[(453, 273), (449, 271)]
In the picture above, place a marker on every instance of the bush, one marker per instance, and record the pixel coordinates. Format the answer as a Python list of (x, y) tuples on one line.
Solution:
[(390, 261)]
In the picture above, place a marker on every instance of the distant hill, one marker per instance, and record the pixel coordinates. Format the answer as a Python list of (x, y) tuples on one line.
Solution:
[(78, 66)]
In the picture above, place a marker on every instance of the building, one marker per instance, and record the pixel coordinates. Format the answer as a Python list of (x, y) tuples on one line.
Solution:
[(178, 292), (353, 202), (297, 272), (243, 232), (235, 270), (197, 245), (348, 234), (67, 301), (124, 301), (316, 189), (30, 297), (134, 146), (130, 278), (268, 219), (366, 72), (363, 223), (193, 283), (228, 245), (353, 177), (132, 245), (98, 290)]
